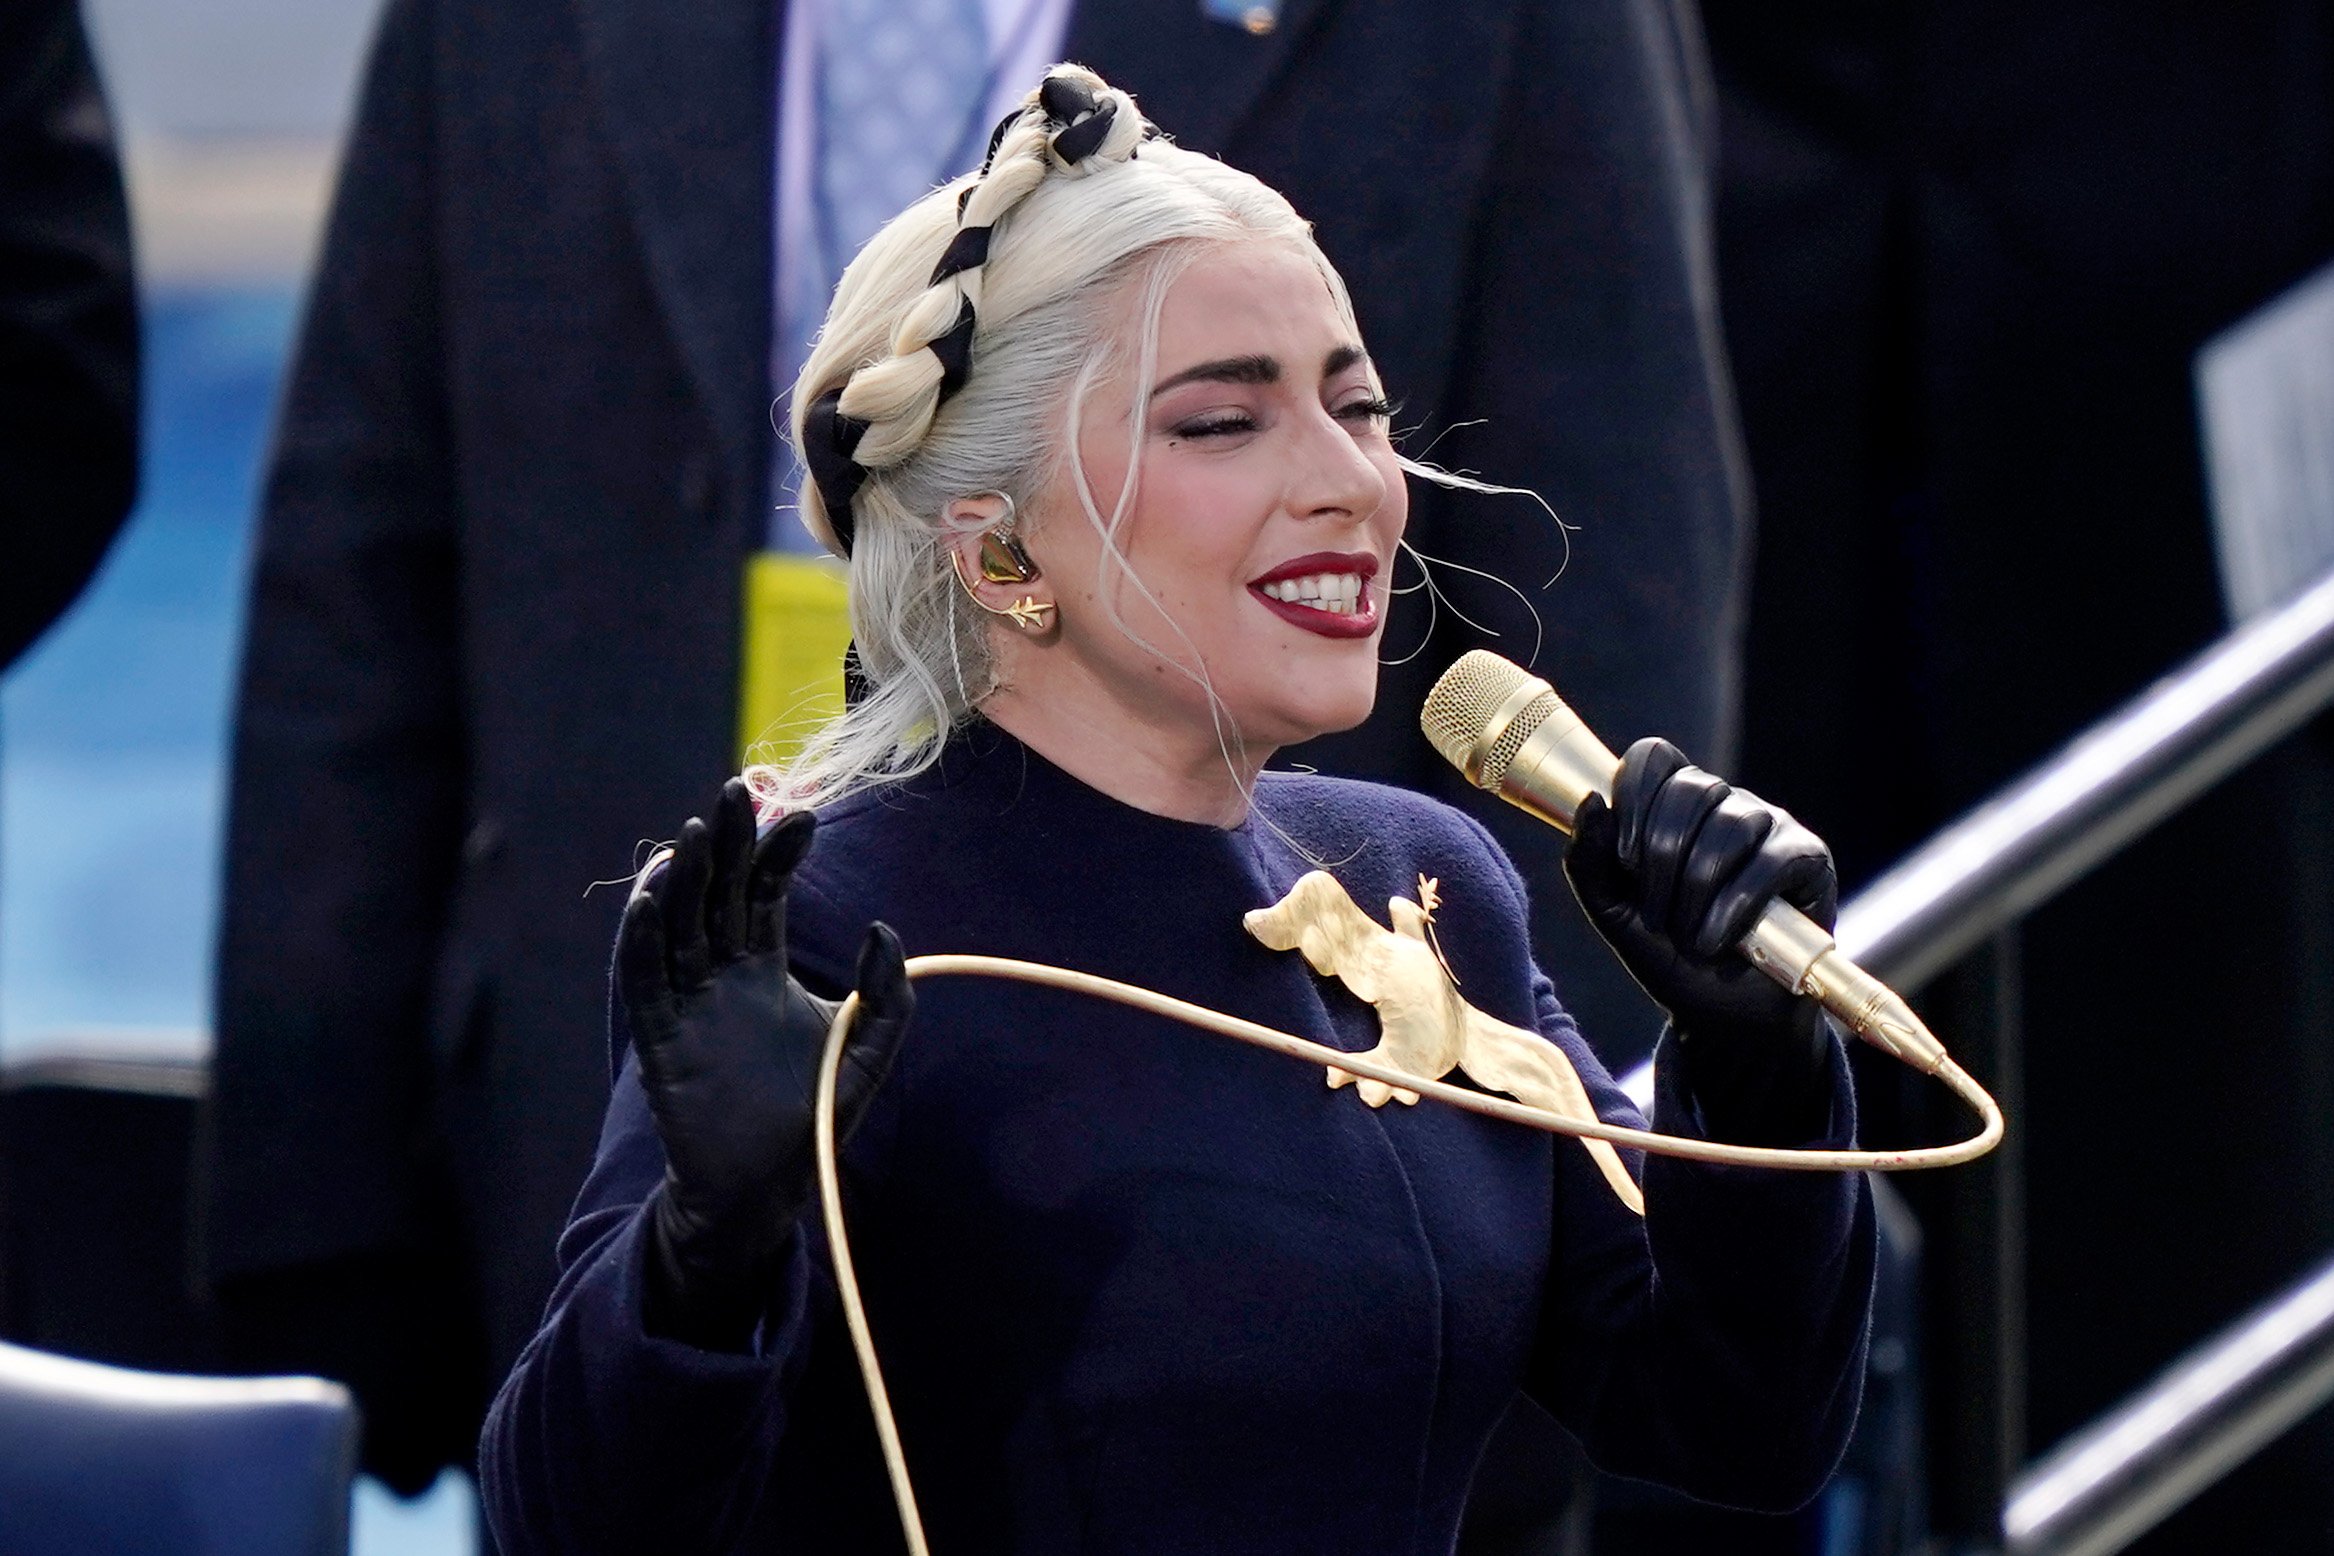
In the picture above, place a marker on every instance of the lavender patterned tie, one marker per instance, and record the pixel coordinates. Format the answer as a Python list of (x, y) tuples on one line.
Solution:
[(899, 84)]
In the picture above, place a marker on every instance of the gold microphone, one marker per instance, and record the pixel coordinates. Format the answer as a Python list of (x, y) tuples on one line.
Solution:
[(1509, 732)]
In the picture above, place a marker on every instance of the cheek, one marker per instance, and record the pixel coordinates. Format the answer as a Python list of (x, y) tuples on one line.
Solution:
[(1393, 516), (1193, 533)]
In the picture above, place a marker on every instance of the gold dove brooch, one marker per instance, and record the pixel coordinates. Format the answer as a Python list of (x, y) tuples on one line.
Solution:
[(1425, 1028)]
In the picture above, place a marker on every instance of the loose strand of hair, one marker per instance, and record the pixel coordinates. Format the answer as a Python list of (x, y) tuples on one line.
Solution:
[(1428, 563), (1433, 604), (1459, 480)]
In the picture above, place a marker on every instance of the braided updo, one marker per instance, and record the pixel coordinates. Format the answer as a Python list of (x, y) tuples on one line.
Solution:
[(953, 358)]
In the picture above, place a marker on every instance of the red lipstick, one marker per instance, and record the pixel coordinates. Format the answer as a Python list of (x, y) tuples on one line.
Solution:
[(1331, 589)]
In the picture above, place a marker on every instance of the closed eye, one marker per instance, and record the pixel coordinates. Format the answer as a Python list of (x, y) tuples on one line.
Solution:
[(1228, 423), (1216, 424)]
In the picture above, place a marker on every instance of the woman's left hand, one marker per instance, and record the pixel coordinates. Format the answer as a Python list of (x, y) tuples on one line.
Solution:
[(1673, 874)]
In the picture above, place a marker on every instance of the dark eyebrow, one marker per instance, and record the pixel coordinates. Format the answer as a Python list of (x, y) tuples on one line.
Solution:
[(1256, 370), (1229, 370)]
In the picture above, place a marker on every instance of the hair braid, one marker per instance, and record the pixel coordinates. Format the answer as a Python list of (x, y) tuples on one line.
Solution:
[(1073, 124)]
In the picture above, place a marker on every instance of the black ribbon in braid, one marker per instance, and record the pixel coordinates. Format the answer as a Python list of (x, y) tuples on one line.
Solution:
[(829, 437), (1063, 101), (988, 160), (954, 350), (967, 250)]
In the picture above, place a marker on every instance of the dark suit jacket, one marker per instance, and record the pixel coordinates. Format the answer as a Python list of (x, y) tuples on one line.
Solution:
[(68, 322), (495, 618)]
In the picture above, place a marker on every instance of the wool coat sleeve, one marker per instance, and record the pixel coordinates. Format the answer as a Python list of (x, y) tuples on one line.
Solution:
[(345, 807), (1715, 1345), (609, 1438)]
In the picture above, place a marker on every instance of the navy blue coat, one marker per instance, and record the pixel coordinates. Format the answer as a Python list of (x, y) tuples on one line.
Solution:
[(1139, 1288), (521, 463)]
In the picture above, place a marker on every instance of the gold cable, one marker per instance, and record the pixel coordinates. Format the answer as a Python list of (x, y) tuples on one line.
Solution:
[(831, 1194)]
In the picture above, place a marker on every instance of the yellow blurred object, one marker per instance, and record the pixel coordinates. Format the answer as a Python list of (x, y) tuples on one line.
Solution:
[(798, 622)]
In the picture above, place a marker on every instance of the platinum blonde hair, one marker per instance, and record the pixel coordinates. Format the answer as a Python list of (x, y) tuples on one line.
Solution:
[(1070, 243)]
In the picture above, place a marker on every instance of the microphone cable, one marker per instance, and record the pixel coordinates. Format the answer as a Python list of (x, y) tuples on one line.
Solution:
[(1653, 1142)]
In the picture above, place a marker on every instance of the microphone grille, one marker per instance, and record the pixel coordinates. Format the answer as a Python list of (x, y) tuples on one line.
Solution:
[(1461, 704)]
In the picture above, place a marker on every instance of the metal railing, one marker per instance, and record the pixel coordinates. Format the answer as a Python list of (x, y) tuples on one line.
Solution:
[(2112, 783), (2116, 1479)]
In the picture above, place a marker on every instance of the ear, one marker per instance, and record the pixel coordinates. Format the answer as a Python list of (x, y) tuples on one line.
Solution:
[(969, 521), (973, 521), (975, 514)]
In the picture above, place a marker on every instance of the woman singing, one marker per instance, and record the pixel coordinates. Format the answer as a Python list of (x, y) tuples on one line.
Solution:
[(1100, 440)]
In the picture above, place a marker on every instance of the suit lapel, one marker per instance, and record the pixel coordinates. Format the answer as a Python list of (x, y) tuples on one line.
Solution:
[(688, 89), (1197, 77)]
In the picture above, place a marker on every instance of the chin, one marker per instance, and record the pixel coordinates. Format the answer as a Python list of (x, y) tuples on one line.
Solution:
[(1334, 711)]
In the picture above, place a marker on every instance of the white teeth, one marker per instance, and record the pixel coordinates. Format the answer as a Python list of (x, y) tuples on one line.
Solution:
[(1338, 594)]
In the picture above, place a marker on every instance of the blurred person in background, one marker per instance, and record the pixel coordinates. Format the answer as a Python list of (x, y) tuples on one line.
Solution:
[(68, 322), (1969, 254), (525, 469)]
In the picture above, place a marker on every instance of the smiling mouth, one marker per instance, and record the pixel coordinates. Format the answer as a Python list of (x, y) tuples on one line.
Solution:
[(1340, 594), (1327, 593)]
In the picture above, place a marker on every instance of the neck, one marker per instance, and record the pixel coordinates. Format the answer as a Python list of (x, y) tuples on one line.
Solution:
[(1164, 768)]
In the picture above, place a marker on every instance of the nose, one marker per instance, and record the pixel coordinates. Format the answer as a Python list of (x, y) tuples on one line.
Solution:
[(1330, 475)]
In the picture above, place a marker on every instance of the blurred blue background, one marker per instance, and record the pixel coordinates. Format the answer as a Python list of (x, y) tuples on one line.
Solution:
[(113, 730)]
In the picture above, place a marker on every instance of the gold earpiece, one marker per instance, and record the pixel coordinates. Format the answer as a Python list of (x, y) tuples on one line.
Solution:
[(1004, 560)]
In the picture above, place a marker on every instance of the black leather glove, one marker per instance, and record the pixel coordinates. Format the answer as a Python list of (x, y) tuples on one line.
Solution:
[(729, 1046), (1673, 874)]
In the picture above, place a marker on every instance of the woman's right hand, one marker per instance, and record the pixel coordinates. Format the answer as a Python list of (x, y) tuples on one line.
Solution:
[(728, 1044)]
